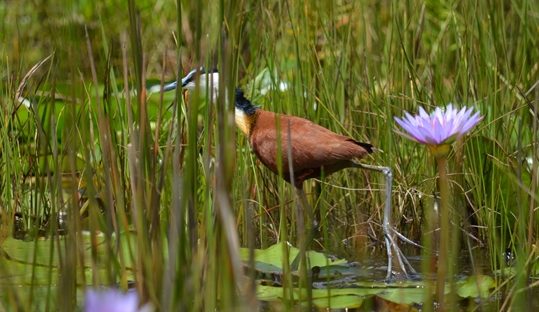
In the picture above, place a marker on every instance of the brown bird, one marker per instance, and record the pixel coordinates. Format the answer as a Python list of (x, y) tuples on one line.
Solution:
[(313, 149), (306, 150)]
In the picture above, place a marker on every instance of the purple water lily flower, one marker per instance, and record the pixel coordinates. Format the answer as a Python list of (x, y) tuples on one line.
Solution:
[(111, 300), (443, 126)]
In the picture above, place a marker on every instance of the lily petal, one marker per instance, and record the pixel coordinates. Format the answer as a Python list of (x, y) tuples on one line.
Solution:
[(442, 126)]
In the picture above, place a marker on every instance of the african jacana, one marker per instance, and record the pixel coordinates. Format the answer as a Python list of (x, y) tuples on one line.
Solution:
[(313, 149)]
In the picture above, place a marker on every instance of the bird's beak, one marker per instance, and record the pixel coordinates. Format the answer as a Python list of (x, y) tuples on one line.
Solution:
[(169, 87), (173, 85), (187, 79), (190, 77)]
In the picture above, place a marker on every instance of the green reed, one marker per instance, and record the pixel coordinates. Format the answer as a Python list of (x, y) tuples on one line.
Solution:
[(175, 191)]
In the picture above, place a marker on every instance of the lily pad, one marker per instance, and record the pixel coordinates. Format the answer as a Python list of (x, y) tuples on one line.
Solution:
[(403, 295), (476, 286), (339, 298), (274, 255), (339, 302)]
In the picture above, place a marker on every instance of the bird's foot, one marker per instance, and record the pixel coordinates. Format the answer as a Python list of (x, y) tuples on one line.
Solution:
[(392, 247)]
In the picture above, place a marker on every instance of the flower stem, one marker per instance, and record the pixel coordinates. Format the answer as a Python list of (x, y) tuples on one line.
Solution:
[(445, 235)]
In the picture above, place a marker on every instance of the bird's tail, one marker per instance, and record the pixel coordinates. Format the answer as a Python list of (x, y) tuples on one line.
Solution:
[(368, 147)]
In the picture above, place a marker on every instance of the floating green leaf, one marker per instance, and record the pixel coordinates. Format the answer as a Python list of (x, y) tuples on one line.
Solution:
[(476, 286), (403, 295), (274, 255)]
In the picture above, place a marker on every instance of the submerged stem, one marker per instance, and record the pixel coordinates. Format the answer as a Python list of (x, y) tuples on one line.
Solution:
[(445, 235)]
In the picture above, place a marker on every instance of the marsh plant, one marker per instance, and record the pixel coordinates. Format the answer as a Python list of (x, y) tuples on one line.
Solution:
[(438, 131), (106, 183)]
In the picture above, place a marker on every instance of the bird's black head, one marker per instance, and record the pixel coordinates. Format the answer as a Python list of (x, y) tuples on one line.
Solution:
[(244, 104)]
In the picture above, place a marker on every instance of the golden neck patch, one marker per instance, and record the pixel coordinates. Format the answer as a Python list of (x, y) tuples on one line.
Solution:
[(243, 121)]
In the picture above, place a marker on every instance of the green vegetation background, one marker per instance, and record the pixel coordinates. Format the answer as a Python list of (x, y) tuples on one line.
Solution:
[(93, 145)]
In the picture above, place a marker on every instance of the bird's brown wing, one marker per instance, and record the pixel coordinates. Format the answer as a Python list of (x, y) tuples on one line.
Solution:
[(312, 146)]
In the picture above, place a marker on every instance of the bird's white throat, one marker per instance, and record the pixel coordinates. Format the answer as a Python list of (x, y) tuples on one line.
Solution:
[(243, 121)]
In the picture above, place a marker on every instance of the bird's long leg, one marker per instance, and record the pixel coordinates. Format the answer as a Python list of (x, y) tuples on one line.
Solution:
[(388, 230)]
